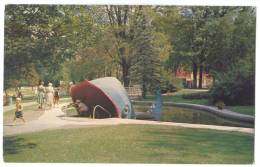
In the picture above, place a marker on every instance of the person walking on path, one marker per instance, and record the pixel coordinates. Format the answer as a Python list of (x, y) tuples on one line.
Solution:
[(36, 93), (19, 93), (40, 98), (49, 95), (70, 87), (56, 97), (18, 111)]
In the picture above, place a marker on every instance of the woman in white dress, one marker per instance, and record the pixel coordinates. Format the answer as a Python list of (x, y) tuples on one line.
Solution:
[(49, 95), (40, 97)]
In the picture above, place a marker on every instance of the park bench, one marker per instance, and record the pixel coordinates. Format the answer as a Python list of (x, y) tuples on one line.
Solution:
[(134, 92)]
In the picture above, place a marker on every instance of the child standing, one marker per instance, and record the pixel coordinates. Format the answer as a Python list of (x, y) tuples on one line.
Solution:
[(18, 110), (56, 97)]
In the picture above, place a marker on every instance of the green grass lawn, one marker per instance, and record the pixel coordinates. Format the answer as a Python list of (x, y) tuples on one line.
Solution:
[(178, 98), (249, 110), (131, 144), (29, 113), (29, 108), (27, 99)]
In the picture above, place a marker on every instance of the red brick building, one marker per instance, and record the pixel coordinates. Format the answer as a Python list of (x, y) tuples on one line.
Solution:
[(187, 77)]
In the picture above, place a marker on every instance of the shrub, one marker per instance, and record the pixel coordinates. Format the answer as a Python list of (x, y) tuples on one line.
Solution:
[(235, 87), (220, 105), (169, 83), (200, 95)]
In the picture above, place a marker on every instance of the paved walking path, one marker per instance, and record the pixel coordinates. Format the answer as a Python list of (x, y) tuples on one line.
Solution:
[(55, 118), (12, 107)]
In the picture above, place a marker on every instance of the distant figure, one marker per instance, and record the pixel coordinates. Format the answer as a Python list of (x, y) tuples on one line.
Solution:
[(18, 111), (56, 97), (19, 94), (49, 95), (70, 86), (36, 93), (82, 108), (126, 111), (152, 107), (40, 97)]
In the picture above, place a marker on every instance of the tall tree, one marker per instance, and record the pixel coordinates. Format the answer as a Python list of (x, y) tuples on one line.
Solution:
[(146, 62), (232, 39), (190, 32), (44, 35), (122, 22)]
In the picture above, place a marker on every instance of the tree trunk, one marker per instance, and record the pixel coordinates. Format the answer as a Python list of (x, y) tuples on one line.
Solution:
[(195, 72), (118, 17), (6, 93), (125, 75), (144, 91), (125, 67), (117, 71), (201, 77), (214, 80)]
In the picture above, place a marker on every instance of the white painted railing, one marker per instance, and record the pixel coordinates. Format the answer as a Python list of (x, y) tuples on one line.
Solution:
[(103, 109)]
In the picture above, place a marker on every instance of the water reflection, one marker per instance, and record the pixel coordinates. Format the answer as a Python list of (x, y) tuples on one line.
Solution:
[(183, 115)]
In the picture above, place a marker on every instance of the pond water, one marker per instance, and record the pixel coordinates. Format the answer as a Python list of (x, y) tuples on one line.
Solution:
[(184, 115)]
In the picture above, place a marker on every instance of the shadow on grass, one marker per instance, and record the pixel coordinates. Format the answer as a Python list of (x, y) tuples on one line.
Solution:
[(14, 145)]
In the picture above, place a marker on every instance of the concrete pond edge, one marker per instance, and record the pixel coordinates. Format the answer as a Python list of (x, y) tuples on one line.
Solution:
[(224, 113)]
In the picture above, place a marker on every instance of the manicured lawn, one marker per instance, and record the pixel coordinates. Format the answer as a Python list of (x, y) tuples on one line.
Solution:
[(179, 99), (249, 110), (27, 99), (29, 112), (29, 108), (131, 144)]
